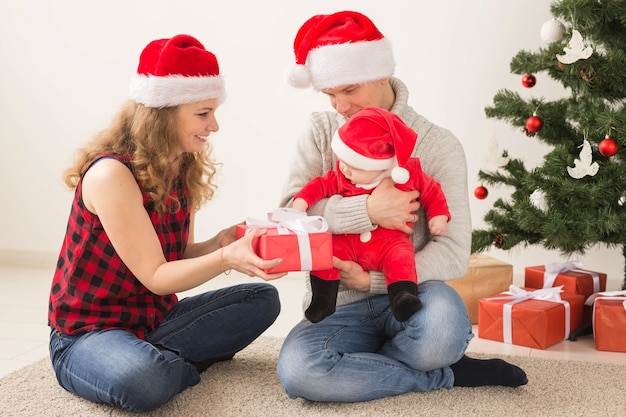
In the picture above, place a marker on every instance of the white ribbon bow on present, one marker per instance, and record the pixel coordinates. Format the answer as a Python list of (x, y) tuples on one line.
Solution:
[(288, 221), (517, 295), (555, 268)]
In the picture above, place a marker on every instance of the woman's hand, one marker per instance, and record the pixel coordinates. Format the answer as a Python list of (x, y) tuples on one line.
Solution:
[(391, 208), (240, 256), (353, 276)]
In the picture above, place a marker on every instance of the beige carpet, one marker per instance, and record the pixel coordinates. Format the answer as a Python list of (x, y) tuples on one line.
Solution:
[(248, 386)]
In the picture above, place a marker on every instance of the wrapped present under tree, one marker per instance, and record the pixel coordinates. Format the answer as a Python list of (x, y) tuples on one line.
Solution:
[(485, 276), (536, 319)]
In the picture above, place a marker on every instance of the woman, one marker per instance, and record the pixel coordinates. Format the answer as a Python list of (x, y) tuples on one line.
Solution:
[(119, 335)]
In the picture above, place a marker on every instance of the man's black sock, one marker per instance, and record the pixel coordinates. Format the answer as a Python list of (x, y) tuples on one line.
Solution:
[(470, 372)]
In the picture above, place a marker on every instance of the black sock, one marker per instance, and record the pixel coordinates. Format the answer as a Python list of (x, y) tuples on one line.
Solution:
[(403, 299), (470, 372), (324, 299)]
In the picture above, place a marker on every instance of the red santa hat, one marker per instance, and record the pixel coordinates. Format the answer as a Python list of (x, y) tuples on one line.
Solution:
[(375, 139), (176, 71), (339, 49)]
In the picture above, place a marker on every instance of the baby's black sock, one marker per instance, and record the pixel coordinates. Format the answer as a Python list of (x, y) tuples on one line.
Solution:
[(470, 372), (323, 300)]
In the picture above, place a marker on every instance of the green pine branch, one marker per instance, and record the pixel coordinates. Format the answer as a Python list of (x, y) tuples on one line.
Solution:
[(547, 206)]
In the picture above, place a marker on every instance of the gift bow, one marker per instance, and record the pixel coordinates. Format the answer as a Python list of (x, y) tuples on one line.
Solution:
[(288, 221), (555, 268), (517, 295), (615, 295)]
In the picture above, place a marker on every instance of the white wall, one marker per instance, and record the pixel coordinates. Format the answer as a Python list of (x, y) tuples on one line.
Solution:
[(65, 67)]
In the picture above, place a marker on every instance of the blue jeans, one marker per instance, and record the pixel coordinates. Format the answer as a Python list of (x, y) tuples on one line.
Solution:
[(362, 353), (114, 366)]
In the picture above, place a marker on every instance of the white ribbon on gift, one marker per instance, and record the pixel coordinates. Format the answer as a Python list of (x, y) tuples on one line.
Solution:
[(555, 268), (613, 295), (288, 221), (517, 295)]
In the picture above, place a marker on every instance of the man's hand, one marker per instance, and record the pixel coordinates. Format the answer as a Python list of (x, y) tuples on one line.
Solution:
[(226, 236), (353, 276), (392, 208)]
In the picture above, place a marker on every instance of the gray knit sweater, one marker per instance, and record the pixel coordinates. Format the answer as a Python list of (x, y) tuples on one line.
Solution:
[(442, 156)]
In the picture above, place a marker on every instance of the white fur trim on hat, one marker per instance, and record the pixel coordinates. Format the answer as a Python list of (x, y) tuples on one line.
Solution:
[(174, 90), (350, 63), (357, 160)]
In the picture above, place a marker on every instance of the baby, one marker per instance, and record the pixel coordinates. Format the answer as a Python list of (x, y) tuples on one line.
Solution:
[(372, 145)]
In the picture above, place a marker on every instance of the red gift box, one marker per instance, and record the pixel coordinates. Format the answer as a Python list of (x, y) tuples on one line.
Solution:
[(523, 318), (318, 253), (570, 275), (609, 321)]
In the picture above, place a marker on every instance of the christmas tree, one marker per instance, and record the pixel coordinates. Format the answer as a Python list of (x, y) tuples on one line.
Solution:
[(577, 198)]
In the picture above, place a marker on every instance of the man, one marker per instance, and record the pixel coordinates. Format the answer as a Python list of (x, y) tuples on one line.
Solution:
[(361, 352)]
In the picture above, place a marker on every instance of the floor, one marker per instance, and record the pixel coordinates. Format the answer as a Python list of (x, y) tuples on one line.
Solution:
[(24, 331)]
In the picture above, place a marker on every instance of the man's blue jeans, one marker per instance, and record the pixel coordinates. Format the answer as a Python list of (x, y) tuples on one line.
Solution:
[(116, 367), (362, 353)]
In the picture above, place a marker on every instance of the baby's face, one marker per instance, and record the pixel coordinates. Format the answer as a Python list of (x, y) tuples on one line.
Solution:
[(358, 176)]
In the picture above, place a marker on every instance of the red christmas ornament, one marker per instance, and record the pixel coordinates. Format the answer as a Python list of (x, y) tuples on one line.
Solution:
[(534, 123), (481, 192), (529, 80), (608, 146)]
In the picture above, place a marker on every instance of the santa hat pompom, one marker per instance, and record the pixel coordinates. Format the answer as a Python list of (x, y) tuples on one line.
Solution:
[(298, 76), (400, 175)]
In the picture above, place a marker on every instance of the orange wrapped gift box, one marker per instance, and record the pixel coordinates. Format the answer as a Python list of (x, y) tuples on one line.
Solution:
[(536, 319), (301, 241), (609, 321), (570, 275)]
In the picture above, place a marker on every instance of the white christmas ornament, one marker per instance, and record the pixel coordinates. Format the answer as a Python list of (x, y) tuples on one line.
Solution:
[(584, 165), (494, 155), (538, 199), (552, 31), (577, 49)]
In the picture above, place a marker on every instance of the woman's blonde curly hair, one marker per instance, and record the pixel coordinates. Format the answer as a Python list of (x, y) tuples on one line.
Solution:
[(149, 136)]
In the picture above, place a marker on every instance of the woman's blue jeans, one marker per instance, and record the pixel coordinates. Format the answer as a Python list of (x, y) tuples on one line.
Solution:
[(116, 367), (362, 353)]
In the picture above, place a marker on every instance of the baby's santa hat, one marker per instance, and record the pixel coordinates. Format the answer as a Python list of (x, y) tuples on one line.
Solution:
[(343, 48), (375, 139), (176, 71)]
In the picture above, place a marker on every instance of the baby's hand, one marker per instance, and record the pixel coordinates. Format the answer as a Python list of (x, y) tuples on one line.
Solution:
[(300, 204), (438, 225)]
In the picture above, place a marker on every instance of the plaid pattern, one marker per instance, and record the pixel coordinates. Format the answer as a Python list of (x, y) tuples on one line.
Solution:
[(92, 288)]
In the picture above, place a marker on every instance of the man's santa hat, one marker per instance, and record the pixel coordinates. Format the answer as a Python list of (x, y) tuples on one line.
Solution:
[(343, 48), (375, 139), (176, 71)]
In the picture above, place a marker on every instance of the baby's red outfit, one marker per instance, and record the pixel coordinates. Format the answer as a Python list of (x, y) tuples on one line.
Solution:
[(388, 251)]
